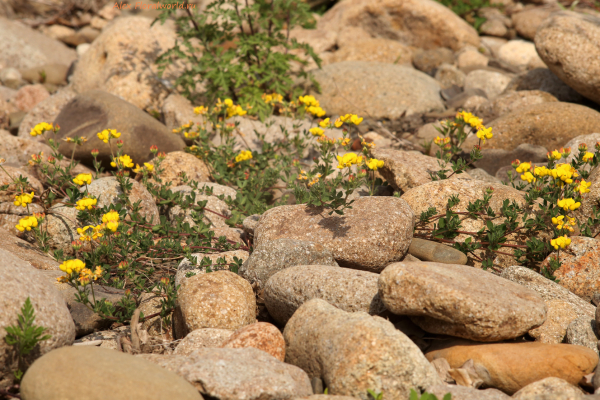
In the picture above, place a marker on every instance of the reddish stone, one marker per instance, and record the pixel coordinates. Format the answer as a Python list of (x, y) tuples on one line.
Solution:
[(262, 336), (29, 96)]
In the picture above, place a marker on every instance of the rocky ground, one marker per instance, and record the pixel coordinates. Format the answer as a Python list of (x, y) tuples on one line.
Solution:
[(349, 305)]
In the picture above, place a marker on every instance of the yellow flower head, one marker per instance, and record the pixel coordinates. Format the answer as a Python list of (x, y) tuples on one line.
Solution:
[(541, 171), (528, 176), (564, 172), (348, 159), (338, 122), (316, 111), (200, 110), (86, 203), (344, 141), (356, 120), (523, 167), (147, 166), (88, 233), (325, 123), (40, 129), (233, 110), (309, 101), (125, 161), (484, 133), (316, 131), (568, 204), (71, 266), (555, 155), (107, 134), (110, 216), (83, 179), (587, 157), (584, 187), (25, 224), (561, 241), (23, 199), (243, 156), (272, 98), (375, 164)]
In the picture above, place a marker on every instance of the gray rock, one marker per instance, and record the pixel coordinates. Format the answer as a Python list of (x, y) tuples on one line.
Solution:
[(131, 378), (461, 301), (344, 288), (427, 250), (543, 79), (466, 393), (548, 389), (482, 175), (273, 256), (201, 338), (18, 281), (491, 82), (250, 223), (354, 352), (582, 332), (237, 374)]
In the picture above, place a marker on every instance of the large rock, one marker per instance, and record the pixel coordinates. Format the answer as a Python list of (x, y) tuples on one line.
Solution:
[(495, 160), (23, 48), (344, 288), (26, 251), (354, 352), (370, 49), (96, 110), (122, 59), (559, 317), (512, 366), (272, 256), (543, 79), (46, 111), (61, 226), (420, 23), (591, 201), (569, 43), (527, 21), (466, 393), (262, 336), (583, 332), (237, 374), (17, 151), (491, 82), (376, 90), (512, 101), (131, 378), (460, 301), (201, 338), (7, 176), (373, 233), (519, 54), (178, 162), (19, 281), (29, 96), (548, 387)]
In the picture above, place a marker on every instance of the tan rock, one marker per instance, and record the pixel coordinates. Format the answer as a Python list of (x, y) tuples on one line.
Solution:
[(178, 111), (590, 200), (17, 151), (7, 177), (471, 57), (262, 336), (186, 266), (319, 39), (491, 82), (543, 79), (512, 101), (448, 75), (527, 21), (559, 317), (548, 386), (26, 251), (466, 393), (518, 53), (201, 338), (29, 96), (178, 162), (375, 50), (45, 111)]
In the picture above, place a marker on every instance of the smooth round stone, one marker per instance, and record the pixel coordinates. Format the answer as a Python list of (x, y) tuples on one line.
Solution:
[(426, 250)]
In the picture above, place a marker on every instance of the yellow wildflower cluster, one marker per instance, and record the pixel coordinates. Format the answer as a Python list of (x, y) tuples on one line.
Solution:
[(563, 173), (41, 128), (25, 224), (232, 109), (107, 134), (314, 180), (201, 110), (326, 123), (375, 164), (272, 98), (312, 105), (72, 266), (348, 160), (583, 187), (344, 141), (147, 167), (316, 131), (243, 156), (86, 275), (302, 176), (23, 199), (483, 133), (90, 232), (183, 127), (351, 118), (562, 224), (83, 179), (441, 141), (124, 161), (561, 241), (86, 203), (568, 204), (587, 157), (325, 139), (111, 220)]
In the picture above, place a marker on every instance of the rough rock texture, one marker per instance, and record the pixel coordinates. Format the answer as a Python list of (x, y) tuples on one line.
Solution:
[(26, 251), (122, 59), (262, 336), (428, 61), (7, 176), (466, 393), (131, 378), (461, 301), (275, 255), (553, 330), (512, 101), (18, 281), (107, 189), (543, 79), (353, 352), (376, 90), (186, 265), (46, 111), (344, 288), (93, 111), (220, 299), (491, 82), (583, 332), (201, 338), (17, 151), (29, 96), (448, 75), (237, 374), (589, 140), (178, 111), (420, 23), (373, 233), (547, 289), (61, 225), (568, 42), (369, 49), (502, 366), (177, 162), (548, 386)]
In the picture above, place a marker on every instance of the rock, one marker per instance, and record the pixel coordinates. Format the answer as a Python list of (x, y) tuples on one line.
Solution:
[(482, 175), (466, 393), (553, 330), (262, 336), (491, 82), (543, 79), (518, 53), (320, 40), (589, 140), (179, 162), (232, 235), (363, 238), (26, 251), (470, 57), (498, 161), (512, 366), (131, 378), (150, 304), (186, 266), (11, 77), (494, 27), (46, 111), (237, 374), (428, 61), (93, 111), (344, 288), (491, 44), (512, 101), (527, 21), (177, 111), (354, 352), (17, 151), (136, 82), (55, 74), (270, 257), (250, 223), (582, 332), (427, 250), (61, 225), (58, 32), (29, 96), (214, 189), (547, 289), (566, 41), (421, 23), (19, 281), (370, 49), (201, 338), (25, 48), (548, 386), (590, 200), (448, 75), (461, 301), (376, 90), (216, 211), (7, 174), (107, 190), (219, 299)]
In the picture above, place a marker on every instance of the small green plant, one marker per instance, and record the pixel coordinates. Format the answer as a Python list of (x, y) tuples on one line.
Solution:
[(24, 336), (373, 395), (427, 396)]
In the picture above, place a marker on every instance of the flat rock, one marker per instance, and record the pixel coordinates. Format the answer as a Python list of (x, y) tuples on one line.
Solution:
[(347, 289), (373, 233), (131, 378), (461, 301), (548, 386), (559, 317), (201, 338), (354, 352), (427, 250), (262, 336), (512, 366)]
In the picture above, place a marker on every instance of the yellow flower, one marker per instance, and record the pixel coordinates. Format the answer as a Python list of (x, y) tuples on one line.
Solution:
[(561, 241), (272, 98), (523, 167), (86, 203), (348, 159), (564, 172), (87, 233), (232, 110), (344, 141), (83, 179), (309, 101), (243, 156), (375, 164), (111, 225), (555, 155), (484, 133), (541, 171), (584, 187), (107, 134), (40, 128), (568, 204), (110, 216), (528, 176), (558, 220), (338, 122), (27, 223), (124, 161), (200, 110), (356, 120), (147, 166), (316, 131), (325, 123), (71, 266), (23, 199), (587, 157), (316, 111)]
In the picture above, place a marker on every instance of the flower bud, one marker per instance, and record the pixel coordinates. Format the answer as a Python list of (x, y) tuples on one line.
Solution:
[(76, 244), (95, 153), (52, 160), (119, 143), (583, 147), (153, 149), (566, 151), (515, 163), (123, 265)]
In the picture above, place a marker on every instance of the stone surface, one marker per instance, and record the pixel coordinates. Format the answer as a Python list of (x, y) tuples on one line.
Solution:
[(19, 281), (590, 200), (427, 250), (528, 20), (215, 212), (17, 151), (201, 338), (237, 374), (376, 90), (461, 301), (121, 61), (420, 23), (512, 101), (589, 140), (543, 79), (491, 82), (371, 49), (482, 175), (344, 288), (131, 378), (553, 330), (26, 251), (353, 352), (548, 386), (219, 299), (275, 255), (55, 74), (466, 393), (262, 336), (61, 225), (178, 162), (29, 96), (471, 57), (177, 111), (7, 174), (373, 233), (512, 366), (96, 110), (448, 75), (46, 111), (582, 332), (186, 266), (518, 53), (568, 41), (428, 61)]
